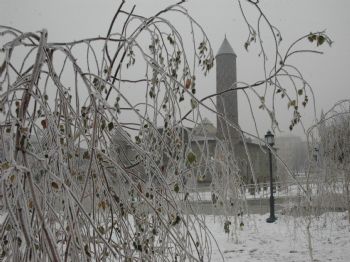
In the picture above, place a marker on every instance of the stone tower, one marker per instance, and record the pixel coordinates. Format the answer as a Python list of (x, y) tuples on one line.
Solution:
[(226, 77)]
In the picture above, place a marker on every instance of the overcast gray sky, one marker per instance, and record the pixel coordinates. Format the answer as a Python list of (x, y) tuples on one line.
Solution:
[(328, 74)]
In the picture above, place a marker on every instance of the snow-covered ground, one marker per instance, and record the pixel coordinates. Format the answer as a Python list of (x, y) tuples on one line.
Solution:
[(284, 240)]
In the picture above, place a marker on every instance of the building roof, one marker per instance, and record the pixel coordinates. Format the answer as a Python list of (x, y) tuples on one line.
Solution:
[(225, 48), (203, 138), (205, 129)]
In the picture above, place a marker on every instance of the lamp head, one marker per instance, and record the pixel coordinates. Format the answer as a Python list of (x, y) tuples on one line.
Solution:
[(269, 138)]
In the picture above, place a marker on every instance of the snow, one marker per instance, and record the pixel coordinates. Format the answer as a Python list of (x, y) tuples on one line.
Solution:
[(284, 240)]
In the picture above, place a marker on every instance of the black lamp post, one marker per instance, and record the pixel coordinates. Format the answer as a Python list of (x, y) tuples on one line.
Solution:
[(316, 150), (270, 140)]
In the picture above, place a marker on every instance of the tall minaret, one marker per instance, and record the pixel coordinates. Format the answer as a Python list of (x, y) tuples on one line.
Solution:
[(226, 77)]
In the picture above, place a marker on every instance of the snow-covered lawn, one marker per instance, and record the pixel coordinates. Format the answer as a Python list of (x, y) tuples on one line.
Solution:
[(284, 240)]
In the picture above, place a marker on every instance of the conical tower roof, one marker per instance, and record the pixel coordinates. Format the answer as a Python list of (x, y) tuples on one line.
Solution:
[(225, 48)]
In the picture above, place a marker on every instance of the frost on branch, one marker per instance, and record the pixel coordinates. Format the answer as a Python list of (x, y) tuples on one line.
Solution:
[(86, 172), (334, 154), (96, 159)]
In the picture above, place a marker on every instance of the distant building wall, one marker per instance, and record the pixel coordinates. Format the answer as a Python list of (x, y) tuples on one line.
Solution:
[(259, 157), (294, 152), (206, 151)]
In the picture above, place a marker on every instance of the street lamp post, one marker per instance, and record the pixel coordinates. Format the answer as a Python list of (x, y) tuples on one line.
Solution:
[(315, 154), (270, 140)]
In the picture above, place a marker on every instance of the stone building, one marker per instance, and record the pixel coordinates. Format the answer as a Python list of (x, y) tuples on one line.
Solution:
[(223, 143), (206, 136), (227, 105)]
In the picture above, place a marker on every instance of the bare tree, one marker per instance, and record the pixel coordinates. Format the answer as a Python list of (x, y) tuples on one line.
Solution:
[(334, 146), (79, 180)]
